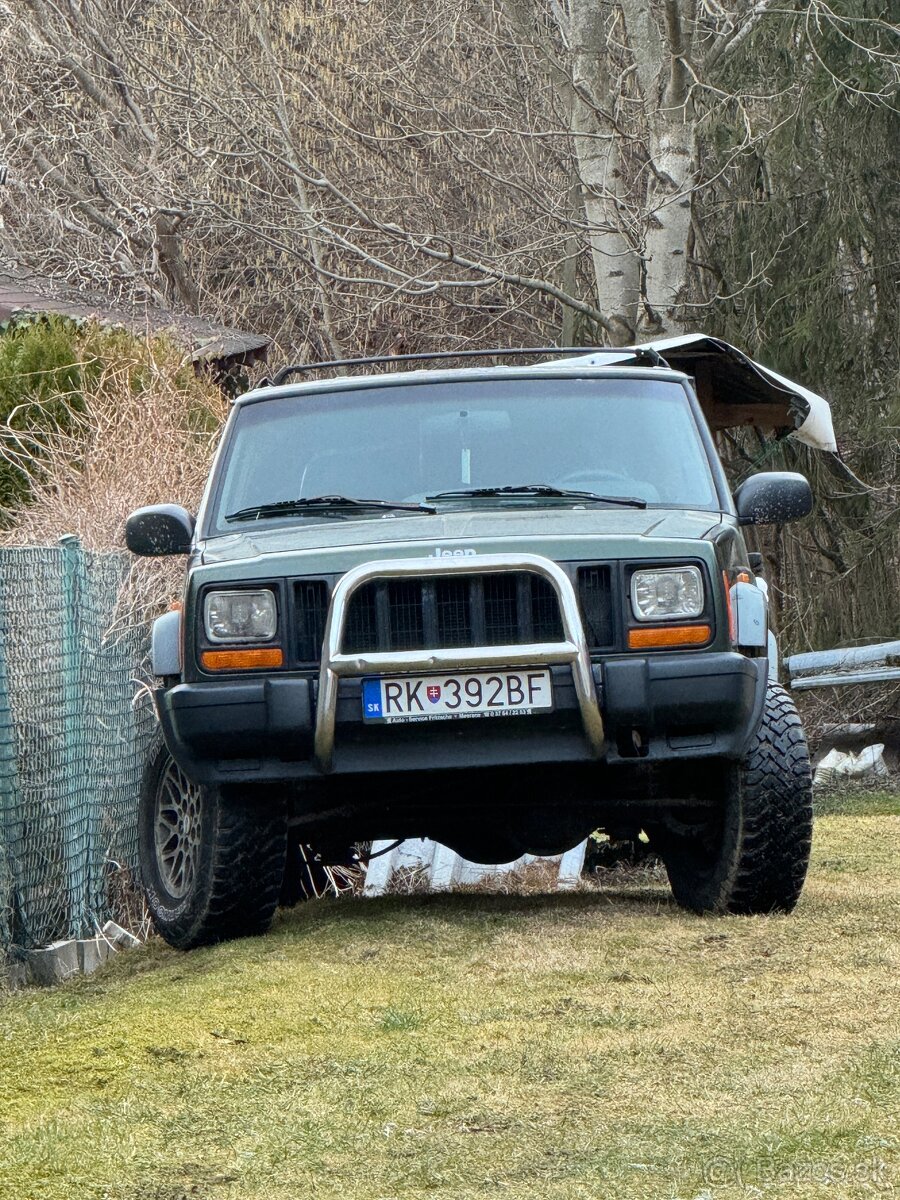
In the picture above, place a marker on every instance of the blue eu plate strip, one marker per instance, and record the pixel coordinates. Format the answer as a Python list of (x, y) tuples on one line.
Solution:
[(371, 689)]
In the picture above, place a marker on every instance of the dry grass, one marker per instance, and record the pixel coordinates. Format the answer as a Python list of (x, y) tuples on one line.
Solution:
[(530, 879), (126, 902), (146, 436), (598, 1044)]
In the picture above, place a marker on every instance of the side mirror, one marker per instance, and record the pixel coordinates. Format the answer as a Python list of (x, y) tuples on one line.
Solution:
[(160, 529), (772, 498)]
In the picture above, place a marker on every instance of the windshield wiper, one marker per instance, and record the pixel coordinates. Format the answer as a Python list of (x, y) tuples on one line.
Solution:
[(281, 508), (536, 489)]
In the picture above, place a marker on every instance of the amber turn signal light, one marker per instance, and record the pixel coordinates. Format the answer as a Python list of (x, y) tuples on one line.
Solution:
[(241, 660), (662, 637)]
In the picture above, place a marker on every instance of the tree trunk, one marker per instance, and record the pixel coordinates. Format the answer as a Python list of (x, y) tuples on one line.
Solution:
[(616, 262), (661, 43), (672, 150)]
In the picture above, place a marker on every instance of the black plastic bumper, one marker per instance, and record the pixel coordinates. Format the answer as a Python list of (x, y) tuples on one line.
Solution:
[(664, 707), (695, 706)]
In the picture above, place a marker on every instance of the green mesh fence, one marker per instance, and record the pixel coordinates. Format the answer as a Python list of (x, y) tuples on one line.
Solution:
[(72, 741)]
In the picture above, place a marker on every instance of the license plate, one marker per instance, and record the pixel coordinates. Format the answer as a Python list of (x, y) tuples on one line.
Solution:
[(456, 697)]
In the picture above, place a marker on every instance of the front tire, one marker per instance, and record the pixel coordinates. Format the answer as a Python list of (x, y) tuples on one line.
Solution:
[(753, 857), (212, 858)]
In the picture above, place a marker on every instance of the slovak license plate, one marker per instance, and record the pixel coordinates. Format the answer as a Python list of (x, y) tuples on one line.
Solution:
[(456, 696)]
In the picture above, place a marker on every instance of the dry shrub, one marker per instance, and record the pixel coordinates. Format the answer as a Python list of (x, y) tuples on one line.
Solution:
[(126, 902), (145, 436), (536, 878)]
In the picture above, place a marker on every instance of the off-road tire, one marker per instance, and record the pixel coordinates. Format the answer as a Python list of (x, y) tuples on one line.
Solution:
[(233, 887), (753, 857)]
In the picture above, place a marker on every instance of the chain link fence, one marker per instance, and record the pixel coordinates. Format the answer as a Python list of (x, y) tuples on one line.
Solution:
[(72, 742)]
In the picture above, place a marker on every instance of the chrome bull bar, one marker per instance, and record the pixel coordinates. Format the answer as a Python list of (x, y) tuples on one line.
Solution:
[(571, 651)]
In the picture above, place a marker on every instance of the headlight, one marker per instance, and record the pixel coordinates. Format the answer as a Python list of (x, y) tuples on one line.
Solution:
[(671, 592), (240, 616)]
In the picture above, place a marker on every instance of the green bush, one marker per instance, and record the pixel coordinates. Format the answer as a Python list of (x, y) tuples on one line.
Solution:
[(51, 368), (45, 365)]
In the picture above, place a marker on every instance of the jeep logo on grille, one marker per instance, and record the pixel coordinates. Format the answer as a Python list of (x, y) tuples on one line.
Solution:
[(463, 552)]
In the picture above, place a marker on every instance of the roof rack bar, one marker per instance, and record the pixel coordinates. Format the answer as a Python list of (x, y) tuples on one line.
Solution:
[(644, 353)]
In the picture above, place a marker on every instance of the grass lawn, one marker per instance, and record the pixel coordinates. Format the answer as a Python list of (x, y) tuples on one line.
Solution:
[(586, 1046)]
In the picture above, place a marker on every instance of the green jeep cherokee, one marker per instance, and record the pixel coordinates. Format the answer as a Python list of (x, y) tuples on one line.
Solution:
[(500, 607)]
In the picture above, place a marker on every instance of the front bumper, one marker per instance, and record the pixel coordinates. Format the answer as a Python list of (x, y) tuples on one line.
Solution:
[(687, 706)]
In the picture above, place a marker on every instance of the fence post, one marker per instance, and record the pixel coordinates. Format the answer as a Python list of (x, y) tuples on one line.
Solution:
[(9, 792), (79, 824)]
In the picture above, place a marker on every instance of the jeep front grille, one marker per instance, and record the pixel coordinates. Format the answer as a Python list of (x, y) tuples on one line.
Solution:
[(471, 610), (311, 608), (595, 601), (456, 611)]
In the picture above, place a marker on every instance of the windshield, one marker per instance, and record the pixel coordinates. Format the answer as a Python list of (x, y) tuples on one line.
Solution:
[(633, 439)]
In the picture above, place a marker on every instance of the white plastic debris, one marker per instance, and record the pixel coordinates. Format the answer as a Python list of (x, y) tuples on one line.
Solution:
[(444, 869), (844, 764), (116, 936)]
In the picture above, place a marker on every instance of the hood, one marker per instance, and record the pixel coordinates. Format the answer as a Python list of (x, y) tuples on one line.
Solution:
[(564, 534)]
